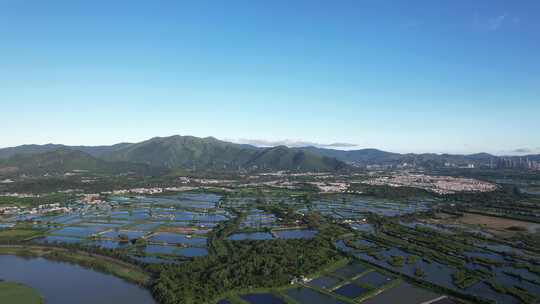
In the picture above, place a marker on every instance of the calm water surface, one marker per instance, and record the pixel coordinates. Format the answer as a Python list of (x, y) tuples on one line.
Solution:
[(63, 283)]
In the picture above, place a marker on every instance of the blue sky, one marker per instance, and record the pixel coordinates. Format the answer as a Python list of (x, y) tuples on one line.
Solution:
[(406, 76)]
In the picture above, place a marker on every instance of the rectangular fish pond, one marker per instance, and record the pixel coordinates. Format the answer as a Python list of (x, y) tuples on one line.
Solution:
[(350, 291), (262, 298), (304, 295)]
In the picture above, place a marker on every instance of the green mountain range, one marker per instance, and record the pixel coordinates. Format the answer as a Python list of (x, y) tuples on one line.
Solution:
[(62, 160), (159, 154), (366, 157), (162, 153)]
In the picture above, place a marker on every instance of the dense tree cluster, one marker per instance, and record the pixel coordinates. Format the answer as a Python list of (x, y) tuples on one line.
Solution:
[(248, 264), (236, 265)]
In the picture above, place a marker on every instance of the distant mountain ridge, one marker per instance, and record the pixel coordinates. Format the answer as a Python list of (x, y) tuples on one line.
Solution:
[(194, 153), (174, 152), (209, 153), (62, 160), (366, 157), (95, 151)]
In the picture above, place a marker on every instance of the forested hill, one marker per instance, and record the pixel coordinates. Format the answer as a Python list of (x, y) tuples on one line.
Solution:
[(64, 160), (175, 152), (195, 153)]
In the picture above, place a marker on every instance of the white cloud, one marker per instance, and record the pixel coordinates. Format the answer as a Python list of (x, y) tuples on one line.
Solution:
[(497, 22), (521, 151), (292, 143)]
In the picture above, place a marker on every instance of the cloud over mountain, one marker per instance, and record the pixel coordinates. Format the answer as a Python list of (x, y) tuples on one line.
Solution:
[(525, 151), (292, 143)]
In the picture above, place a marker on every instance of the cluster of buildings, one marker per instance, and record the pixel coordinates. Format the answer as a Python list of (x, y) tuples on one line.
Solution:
[(9, 210), (48, 208), (436, 184), (292, 174), (153, 190), (331, 187), (92, 199), (20, 195), (516, 163), (463, 166), (41, 209), (323, 187)]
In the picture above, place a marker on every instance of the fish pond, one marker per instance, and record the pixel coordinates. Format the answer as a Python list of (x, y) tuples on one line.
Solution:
[(262, 298)]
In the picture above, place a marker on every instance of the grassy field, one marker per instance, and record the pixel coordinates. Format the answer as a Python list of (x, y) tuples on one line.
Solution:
[(15, 293), (497, 225), (108, 265), (18, 234)]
